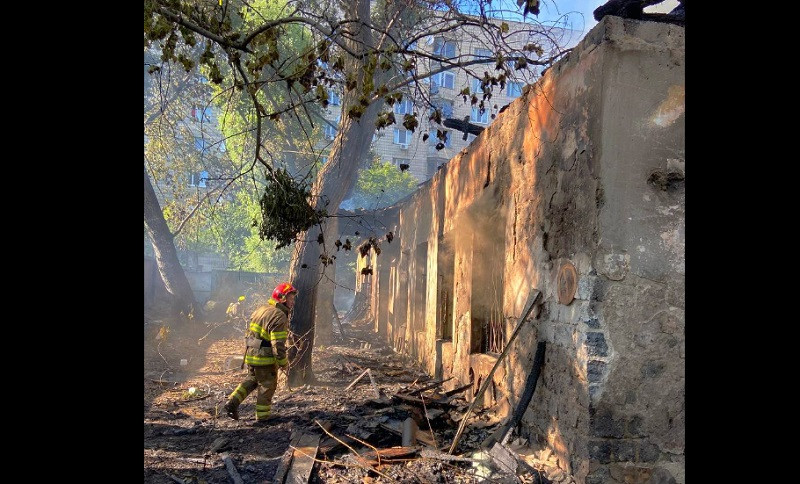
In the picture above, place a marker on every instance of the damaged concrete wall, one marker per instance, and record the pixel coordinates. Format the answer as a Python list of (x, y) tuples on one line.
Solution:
[(585, 171)]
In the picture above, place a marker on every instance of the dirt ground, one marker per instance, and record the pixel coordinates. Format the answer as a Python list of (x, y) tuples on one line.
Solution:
[(185, 436)]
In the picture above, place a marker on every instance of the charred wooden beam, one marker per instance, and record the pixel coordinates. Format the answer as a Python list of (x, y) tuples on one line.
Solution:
[(428, 387), (504, 432), (286, 460), (464, 126), (634, 9), (303, 459), (419, 403)]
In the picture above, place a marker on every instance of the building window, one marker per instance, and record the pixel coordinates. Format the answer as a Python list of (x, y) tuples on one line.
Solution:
[(330, 131), (476, 86), (446, 107), (333, 98), (201, 114), (514, 89), (433, 164), (198, 179), (444, 48), (404, 107), (483, 54), (434, 140), (479, 117), (443, 79), (402, 137), (200, 144), (401, 161)]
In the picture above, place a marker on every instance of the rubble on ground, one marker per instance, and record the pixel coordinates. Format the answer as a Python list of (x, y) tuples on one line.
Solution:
[(391, 423)]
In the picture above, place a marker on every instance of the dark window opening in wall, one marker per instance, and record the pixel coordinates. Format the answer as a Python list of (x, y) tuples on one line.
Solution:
[(488, 261), (420, 286), (477, 336), (444, 299)]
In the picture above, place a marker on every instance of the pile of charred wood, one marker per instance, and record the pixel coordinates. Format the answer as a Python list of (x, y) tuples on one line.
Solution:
[(423, 417)]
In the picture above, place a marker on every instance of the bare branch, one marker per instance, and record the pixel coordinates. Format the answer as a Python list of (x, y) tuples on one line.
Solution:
[(186, 219)]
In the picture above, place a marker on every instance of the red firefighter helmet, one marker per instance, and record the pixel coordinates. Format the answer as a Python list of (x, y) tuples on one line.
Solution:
[(282, 290)]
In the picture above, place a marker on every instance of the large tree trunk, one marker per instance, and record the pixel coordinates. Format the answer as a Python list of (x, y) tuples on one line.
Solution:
[(323, 328), (169, 267), (334, 182), (324, 320)]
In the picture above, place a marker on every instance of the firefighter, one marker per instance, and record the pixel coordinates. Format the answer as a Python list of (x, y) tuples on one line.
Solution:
[(266, 351)]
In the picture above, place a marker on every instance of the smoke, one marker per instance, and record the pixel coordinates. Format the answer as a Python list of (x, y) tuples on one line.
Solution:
[(483, 226)]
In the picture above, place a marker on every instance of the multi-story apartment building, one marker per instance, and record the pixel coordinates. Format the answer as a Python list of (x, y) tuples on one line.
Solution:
[(399, 146)]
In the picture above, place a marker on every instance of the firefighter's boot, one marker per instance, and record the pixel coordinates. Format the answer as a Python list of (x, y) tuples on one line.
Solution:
[(232, 409)]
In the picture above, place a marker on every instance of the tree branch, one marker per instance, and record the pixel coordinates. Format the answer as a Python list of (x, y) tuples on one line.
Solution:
[(180, 20), (186, 219)]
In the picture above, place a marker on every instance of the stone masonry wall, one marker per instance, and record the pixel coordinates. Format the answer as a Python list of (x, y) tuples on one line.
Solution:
[(585, 169)]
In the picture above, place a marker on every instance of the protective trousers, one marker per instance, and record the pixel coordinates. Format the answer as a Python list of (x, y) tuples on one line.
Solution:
[(266, 379)]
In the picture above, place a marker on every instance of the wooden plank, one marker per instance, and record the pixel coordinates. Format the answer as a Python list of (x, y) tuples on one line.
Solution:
[(237, 479), (433, 454), (504, 459), (356, 380), (328, 445), (393, 426), (509, 461), (286, 460), (391, 453), (303, 459), (457, 390), (326, 424), (429, 402), (374, 386), (428, 387), (388, 456)]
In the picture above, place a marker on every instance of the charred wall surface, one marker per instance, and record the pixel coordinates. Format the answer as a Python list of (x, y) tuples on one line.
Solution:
[(577, 190)]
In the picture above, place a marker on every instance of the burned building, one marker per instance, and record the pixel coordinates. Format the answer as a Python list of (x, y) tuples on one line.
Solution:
[(577, 192)]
